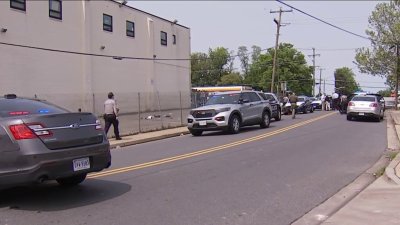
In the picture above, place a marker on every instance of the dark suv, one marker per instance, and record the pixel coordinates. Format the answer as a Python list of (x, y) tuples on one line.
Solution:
[(41, 141)]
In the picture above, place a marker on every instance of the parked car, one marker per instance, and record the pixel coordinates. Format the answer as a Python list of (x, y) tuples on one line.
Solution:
[(230, 111), (303, 105), (366, 105), (316, 103), (390, 102), (276, 105), (41, 141)]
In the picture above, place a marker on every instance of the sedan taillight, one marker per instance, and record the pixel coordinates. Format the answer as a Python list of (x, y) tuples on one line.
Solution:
[(374, 105), (351, 104), (23, 131), (98, 125)]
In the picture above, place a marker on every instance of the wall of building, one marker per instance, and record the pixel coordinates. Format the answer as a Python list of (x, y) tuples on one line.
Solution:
[(78, 81)]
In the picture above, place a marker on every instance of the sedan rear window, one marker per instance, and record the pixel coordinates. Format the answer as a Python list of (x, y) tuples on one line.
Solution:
[(364, 98), (18, 107)]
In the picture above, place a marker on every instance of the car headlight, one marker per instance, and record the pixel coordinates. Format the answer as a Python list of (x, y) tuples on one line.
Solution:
[(223, 110)]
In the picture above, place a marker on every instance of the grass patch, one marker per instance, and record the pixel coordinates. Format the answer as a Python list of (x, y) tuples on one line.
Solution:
[(392, 155), (380, 172)]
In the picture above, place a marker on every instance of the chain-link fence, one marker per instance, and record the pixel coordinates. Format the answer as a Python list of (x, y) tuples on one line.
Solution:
[(139, 112)]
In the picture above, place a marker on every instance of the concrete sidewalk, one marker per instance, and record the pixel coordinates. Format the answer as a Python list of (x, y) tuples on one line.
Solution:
[(149, 136), (377, 204)]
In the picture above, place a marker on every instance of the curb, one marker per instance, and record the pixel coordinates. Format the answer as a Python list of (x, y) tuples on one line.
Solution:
[(390, 170), (149, 139), (393, 169)]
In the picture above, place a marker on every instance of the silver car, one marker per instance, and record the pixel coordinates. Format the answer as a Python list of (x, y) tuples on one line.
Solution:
[(40, 141), (362, 106), (229, 111)]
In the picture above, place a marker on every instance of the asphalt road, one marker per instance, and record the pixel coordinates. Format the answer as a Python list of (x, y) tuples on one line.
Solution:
[(260, 176)]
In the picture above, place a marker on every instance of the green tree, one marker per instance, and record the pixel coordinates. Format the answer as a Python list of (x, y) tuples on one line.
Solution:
[(256, 52), (231, 79), (384, 32), (385, 93), (244, 59), (291, 68), (207, 69), (201, 75), (344, 81)]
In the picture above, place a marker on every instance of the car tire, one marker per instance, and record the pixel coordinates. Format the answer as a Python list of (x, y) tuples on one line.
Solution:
[(234, 124), (265, 120), (71, 181), (279, 116), (312, 110), (349, 117), (196, 132)]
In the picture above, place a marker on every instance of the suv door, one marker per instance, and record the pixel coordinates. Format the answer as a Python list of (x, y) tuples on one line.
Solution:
[(256, 107)]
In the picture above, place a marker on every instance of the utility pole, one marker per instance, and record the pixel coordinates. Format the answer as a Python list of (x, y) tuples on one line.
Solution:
[(313, 55), (320, 75), (278, 27)]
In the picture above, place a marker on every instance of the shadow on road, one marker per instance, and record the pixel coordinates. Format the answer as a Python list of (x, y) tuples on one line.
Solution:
[(52, 197)]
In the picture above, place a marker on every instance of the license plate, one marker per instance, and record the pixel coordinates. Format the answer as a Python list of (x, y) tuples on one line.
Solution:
[(81, 164), (361, 114), (203, 123)]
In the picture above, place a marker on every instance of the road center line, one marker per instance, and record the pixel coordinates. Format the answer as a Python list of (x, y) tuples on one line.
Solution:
[(204, 151)]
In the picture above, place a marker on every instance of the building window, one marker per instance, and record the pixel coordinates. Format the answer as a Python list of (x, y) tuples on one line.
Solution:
[(55, 9), (130, 29), (174, 39), (107, 23), (18, 4), (163, 38)]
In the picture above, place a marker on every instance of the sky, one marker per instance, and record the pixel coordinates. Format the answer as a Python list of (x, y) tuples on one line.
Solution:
[(231, 24)]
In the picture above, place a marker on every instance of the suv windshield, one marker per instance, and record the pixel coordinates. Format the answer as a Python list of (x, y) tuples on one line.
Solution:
[(224, 99)]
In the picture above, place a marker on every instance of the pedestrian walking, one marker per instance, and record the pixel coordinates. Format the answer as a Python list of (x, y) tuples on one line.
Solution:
[(323, 96), (293, 104), (328, 103), (111, 115)]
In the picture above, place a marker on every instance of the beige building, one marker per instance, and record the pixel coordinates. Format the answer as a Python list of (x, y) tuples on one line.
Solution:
[(41, 44)]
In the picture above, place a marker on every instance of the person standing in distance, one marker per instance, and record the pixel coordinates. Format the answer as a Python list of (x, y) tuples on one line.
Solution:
[(293, 104), (111, 115)]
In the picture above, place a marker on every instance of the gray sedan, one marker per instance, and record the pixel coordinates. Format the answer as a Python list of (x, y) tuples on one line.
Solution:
[(40, 141), (367, 106)]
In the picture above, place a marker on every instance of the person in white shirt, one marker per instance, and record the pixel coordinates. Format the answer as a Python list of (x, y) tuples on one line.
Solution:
[(111, 115), (335, 101), (323, 102)]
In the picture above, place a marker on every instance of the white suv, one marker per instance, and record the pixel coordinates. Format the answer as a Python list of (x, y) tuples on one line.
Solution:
[(229, 111)]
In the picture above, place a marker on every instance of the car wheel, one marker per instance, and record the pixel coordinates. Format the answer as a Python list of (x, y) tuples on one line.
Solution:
[(311, 109), (383, 114), (349, 117), (279, 116), (72, 181), (234, 124), (266, 120), (196, 132)]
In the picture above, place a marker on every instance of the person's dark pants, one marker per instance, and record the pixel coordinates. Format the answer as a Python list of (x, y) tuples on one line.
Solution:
[(111, 119)]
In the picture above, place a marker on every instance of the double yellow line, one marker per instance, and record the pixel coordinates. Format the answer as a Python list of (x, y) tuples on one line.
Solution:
[(202, 152)]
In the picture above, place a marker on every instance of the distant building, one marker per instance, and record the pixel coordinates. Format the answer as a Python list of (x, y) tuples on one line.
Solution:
[(99, 28)]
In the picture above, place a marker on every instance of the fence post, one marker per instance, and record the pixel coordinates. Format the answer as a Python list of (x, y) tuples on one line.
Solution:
[(93, 104), (159, 109), (140, 130), (180, 104)]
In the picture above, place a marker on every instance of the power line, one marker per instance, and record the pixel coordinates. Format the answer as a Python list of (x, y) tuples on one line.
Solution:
[(323, 21)]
